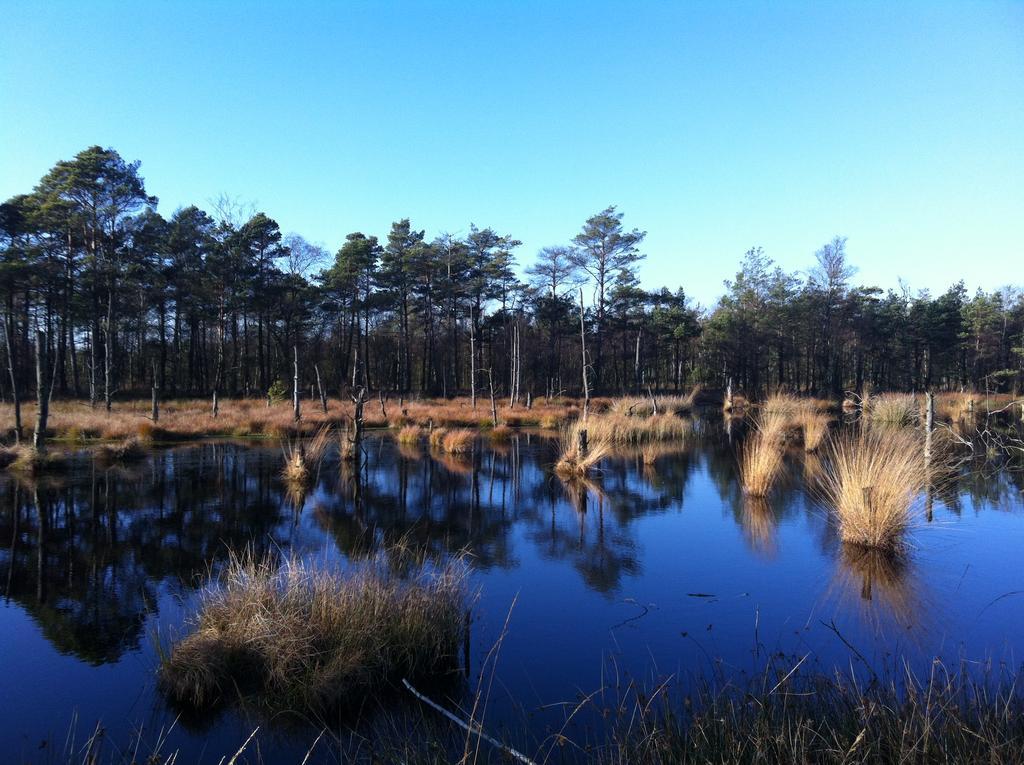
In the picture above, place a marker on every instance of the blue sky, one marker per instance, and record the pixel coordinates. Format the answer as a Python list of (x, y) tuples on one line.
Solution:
[(715, 126)]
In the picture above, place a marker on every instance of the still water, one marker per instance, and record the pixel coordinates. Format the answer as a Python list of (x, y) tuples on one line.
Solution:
[(656, 571)]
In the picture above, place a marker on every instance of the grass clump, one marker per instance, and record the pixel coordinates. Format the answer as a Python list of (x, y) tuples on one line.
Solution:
[(500, 433), (896, 409), (872, 481), (301, 458), (410, 435), (459, 441), (297, 637), (26, 459), (815, 428), (760, 462), (128, 450), (573, 460), (436, 438)]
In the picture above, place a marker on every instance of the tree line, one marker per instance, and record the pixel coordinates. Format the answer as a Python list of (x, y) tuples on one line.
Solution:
[(219, 301)]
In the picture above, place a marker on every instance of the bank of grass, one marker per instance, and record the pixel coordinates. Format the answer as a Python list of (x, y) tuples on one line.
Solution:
[(27, 460), (120, 452), (872, 480), (791, 714), (788, 711), (299, 637)]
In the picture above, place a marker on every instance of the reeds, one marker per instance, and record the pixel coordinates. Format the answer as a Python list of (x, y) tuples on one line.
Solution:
[(298, 637), (872, 481)]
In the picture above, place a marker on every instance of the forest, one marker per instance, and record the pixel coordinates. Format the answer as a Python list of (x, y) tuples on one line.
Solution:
[(120, 299)]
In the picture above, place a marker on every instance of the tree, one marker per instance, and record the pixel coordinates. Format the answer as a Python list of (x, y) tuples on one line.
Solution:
[(603, 249)]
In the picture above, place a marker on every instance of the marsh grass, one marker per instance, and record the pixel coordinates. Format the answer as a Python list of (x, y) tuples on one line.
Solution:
[(302, 457), (814, 426), (410, 435), (294, 636), (790, 712), (873, 480), (436, 437), (894, 409), (29, 461), (761, 459), (459, 441), (572, 461), (638, 406), (128, 450)]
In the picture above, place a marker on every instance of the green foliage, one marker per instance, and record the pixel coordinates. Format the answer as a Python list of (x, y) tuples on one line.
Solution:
[(277, 392)]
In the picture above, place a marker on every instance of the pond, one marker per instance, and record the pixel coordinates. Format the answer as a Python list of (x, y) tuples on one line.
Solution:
[(656, 571)]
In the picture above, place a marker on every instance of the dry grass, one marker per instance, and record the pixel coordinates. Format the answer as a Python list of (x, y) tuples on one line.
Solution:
[(500, 434), (573, 462), (872, 481), (410, 435), (815, 428), (638, 406), (299, 637), (436, 438), (957, 406), (459, 441), (302, 457), (619, 429), (760, 462), (25, 459), (895, 409), (129, 450)]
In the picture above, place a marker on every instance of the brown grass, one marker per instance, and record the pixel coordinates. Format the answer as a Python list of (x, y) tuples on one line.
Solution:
[(25, 459), (410, 435), (500, 434), (895, 409), (299, 637), (872, 481), (129, 450), (760, 463), (302, 457), (458, 441), (815, 428), (572, 461), (436, 438)]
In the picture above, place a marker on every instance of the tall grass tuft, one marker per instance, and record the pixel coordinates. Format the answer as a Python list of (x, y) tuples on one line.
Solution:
[(436, 437), (301, 458), (896, 409), (872, 480), (459, 441), (410, 435), (573, 462), (760, 462), (815, 427), (298, 637)]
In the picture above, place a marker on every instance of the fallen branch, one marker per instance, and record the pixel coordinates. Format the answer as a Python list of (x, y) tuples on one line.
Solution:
[(469, 727)]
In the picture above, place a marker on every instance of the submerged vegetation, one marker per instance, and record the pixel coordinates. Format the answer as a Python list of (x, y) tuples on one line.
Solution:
[(294, 636)]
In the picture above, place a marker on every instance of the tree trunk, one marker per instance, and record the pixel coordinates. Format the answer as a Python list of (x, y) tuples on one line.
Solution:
[(42, 393)]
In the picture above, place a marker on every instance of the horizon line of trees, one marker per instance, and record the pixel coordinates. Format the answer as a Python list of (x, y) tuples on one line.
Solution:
[(218, 301)]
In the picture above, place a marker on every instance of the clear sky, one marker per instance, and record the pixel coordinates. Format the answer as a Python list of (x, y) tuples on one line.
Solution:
[(715, 126)]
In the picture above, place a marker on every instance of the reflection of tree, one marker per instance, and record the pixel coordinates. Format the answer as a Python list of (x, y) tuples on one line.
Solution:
[(83, 556)]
